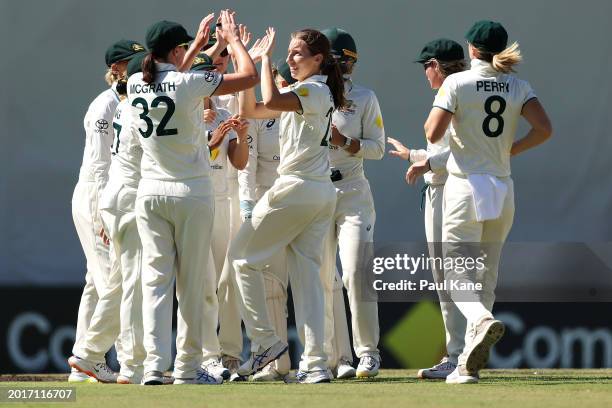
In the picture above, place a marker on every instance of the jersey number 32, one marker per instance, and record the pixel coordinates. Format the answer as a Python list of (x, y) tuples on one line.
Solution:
[(161, 128)]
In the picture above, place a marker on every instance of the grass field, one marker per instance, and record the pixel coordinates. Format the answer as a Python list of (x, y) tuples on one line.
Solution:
[(391, 389)]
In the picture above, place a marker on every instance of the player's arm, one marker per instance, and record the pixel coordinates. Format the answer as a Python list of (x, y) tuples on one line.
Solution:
[(238, 150), (246, 75), (372, 146), (437, 162), (102, 135), (200, 41), (247, 177), (437, 123), (251, 109), (541, 128)]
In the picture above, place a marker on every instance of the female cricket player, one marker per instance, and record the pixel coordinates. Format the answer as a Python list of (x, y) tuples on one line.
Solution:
[(484, 104), (295, 213), (357, 134), (93, 176), (175, 203), (258, 177), (440, 58)]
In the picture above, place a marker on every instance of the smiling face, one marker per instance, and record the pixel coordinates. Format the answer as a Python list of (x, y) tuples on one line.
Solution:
[(433, 74), (302, 64)]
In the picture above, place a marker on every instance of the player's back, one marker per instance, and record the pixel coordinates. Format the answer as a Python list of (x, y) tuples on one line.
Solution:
[(167, 115), (487, 105)]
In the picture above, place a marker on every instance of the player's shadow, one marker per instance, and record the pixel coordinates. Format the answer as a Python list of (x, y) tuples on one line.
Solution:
[(545, 380)]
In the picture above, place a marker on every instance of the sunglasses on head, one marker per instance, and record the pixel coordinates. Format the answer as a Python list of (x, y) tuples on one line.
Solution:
[(185, 46), (427, 65)]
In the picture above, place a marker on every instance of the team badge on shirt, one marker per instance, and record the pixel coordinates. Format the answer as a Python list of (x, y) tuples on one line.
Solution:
[(303, 92)]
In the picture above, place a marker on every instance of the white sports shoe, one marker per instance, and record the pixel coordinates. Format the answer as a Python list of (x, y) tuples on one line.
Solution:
[(99, 371), (262, 358), (202, 377), (345, 370), (214, 367), (368, 367), (78, 377), (268, 373), (486, 333), (438, 372), (232, 364), (461, 376), (312, 377), (156, 378)]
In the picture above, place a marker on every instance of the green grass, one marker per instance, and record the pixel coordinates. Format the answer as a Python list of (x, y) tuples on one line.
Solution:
[(391, 389)]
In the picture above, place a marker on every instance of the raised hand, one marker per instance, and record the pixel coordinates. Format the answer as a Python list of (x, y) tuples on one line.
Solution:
[(229, 30), (400, 151), (219, 134), (204, 29), (258, 49), (271, 34)]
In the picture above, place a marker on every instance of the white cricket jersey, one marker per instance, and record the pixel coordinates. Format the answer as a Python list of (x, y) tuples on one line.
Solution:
[(486, 106), (360, 120), (264, 157), (304, 135), (437, 153), (228, 102), (126, 150), (218, 156), (99, 136), (168, 116)]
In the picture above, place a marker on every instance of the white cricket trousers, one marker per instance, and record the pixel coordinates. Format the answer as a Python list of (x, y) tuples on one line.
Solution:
[(352, 231), (460, 229), (293, 215), (125, 242), (454, 321), (88, 225), (175, 234), (230, 323)]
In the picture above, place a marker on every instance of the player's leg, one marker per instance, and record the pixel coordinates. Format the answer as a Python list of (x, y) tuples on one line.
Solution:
[(328, 268), (304, 263), (211, 349), (157, 275), (341, 341), (454, 321), (195, 288), (355, 238)]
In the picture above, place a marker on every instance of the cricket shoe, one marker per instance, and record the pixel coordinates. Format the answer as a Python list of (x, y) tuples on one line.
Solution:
[(202, 377), (368, 367), (232, 364), (345, 370), (268, 373), (156, 378), (262, 358), (310, 377), (460, 375), (438, 372), (126, 379), (486, 333), (78, 377), (99, 371), (215, 368)]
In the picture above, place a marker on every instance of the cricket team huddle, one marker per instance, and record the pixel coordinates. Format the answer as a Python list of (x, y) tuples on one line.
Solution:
[(191, 186)]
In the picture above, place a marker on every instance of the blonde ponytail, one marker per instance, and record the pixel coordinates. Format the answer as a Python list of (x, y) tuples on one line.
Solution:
[(507, 59), (111, 77)]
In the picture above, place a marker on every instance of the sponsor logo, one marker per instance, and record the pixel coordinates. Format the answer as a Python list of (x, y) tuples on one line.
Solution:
[(249, 139), (276, 157), (102, 124), (369, 227), (270, 123)]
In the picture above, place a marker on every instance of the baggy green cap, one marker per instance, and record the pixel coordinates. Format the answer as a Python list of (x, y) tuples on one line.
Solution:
[(285, 72), (441, 49), (165, 35), (489, 36), (202, 63), (342, 43), (122, 50), (135, 64)]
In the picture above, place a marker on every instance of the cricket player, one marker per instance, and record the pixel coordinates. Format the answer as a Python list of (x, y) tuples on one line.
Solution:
[(295, 213), (484, 105), (357, 134), (235, 148), (175, 201), (257, 178), (440, 58), (93, 176)]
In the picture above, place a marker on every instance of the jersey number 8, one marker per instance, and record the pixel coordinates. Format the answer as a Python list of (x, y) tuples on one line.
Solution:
[(497, 115), (161, 128)]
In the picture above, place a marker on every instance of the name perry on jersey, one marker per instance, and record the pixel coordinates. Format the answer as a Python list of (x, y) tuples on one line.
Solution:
[(492, 86), (153, 87)]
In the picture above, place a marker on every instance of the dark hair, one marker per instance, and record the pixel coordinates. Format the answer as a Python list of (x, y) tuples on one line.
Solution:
[(317, 43), (149, 70)]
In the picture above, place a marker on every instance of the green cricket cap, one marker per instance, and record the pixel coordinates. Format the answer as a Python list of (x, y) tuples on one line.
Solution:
[(164, 35), (202, 63), (135, 64), (489, 36), (122, 50), (285, 72), (441, 49), (342, 43)]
